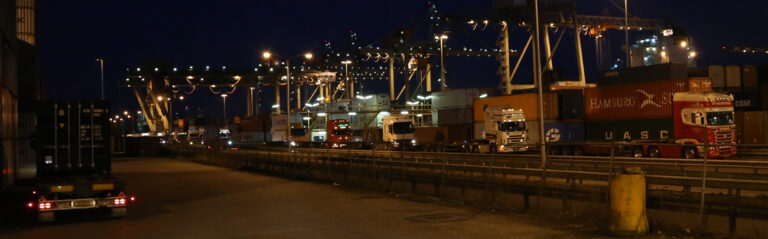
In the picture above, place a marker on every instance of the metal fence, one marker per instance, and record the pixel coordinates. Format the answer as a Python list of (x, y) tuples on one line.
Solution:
[(732, 187)]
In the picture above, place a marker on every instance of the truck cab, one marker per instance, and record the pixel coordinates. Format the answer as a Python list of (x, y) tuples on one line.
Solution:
[(505, 129), (398, 132), (705, 118), (299, 134), (339, 133)]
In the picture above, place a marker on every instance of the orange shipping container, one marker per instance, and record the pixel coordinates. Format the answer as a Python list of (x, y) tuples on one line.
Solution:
[(644, 100), (527, 102)]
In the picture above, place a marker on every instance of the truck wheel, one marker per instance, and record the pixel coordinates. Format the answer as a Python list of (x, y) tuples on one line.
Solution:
[(567, 150), (475, 149), (578, 150), (689, 153), (654, 152), (554, 150), (637, 152), (492, 148)]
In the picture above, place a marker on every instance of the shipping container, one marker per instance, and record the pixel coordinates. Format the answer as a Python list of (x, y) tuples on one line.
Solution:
[(733, 78), (755, 129), (746, 101), (556, 131), (717, 74), (453, 116), (655, 72), (73, 138), (749, 79), (627, 130), (738, 118), (528, 102), (643, 100), (571, 104), (700, 84), (457, 98)]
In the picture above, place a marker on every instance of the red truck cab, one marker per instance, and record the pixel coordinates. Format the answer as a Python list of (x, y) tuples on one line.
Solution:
[(339, 133), (705, 118)]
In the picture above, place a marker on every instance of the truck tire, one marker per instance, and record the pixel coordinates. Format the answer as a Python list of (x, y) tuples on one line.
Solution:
[(654, 152), (492, 149), (689, 153), (567, 150), (637, 152), (578, 150)]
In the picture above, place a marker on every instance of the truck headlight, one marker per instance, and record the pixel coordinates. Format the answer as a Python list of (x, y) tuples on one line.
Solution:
[(293, 143), (413, 141), (229, 142)]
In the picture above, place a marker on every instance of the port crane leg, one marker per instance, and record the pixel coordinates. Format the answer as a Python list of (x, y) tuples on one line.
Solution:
[(277, 97), (503, 43), (147, 115), (579, 57), (508, 89), (547, 49), (392, 79), (429, 78)]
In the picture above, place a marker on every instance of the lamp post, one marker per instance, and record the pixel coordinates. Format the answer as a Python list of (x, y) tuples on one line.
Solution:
[(350, 85), (626, 34), (308, 56), (442, 61), (224, 97), (101, 72)]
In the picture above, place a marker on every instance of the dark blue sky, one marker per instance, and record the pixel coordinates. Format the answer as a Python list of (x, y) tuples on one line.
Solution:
[(72, 34)]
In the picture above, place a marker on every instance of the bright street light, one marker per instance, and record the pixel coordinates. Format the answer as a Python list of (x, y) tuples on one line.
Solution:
[(159, 98), (266, 55), (321, 114), (308, 55)]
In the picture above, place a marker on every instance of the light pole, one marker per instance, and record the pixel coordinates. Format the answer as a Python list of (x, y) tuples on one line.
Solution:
[(626, 34), (308, 56), (224, 97), (350, 86), (442, 62), (101, 72)]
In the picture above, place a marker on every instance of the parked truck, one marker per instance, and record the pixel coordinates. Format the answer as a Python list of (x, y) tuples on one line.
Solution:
[(398, 132), (339, 134), (73, 165), (505, 131)]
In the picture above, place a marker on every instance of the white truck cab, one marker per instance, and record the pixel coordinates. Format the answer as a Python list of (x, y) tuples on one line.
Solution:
[(398, 131), (505, 129)]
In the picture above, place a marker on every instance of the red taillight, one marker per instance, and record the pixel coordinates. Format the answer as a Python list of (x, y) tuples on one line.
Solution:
[(119, 201), (235, 148), (44, 205), (30, 205), (133, 198), (34, 192)]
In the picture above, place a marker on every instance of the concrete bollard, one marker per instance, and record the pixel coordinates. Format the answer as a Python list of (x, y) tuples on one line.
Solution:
[(627, 201)]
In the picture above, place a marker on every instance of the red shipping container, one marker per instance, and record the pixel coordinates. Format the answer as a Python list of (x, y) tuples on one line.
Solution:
[(644, 100)]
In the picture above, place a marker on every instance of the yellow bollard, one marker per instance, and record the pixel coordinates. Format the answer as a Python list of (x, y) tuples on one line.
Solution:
[(627, 200)]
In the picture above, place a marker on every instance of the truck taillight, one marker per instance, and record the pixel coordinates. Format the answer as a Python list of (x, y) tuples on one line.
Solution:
[(119, 201), (30, 204), (133, 198), (44, 205)]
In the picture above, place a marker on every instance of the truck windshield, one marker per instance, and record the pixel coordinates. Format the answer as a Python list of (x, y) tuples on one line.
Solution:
[(402, 128), (342, 132), (719, 118), (298, 132), (512, 126)]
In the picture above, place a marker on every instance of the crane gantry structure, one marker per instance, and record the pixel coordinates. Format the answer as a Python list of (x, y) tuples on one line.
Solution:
[(339, 68)]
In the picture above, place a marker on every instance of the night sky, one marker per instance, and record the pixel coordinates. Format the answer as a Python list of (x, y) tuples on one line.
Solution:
[(72, 34)]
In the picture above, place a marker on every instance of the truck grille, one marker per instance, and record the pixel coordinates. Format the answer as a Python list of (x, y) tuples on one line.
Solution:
[(725, 138)]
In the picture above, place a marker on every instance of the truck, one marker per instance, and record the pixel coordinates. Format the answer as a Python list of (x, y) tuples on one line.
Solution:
[(505, 131), (72, 170), (339, 134), (665, 118), (398, 132)]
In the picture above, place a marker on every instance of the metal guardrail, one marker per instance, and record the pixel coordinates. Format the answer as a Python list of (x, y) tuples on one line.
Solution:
[(723, 187)]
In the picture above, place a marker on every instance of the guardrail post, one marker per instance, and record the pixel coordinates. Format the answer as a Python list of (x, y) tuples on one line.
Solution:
[(402, 174), (702, 216), (610, 177)]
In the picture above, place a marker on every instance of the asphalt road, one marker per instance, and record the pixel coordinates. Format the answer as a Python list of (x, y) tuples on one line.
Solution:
[(178, 199)]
